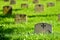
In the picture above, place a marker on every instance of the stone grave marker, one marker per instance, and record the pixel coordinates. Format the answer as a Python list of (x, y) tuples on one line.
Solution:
[(59, 17), (35, 1), (24, 5), (25, 0), (39, 8), (7, 10), (57, 0), (20, 18), (43, 28), (12, 1), (44, 0), (50, 4), (6, 0)]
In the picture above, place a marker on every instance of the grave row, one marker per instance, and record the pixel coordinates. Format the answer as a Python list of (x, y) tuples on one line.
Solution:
[(14, 1), (38, 8), (7, 10)]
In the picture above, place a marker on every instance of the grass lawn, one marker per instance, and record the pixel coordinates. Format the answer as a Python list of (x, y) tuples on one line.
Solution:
[(25, 31)]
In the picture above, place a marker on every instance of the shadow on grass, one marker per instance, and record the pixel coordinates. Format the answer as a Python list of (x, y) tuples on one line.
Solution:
[(8, 16), (1, 10), (2, 34), (13, 10), (12, 16), (7, 31), (16, 9), (7, 23), (43, 15)]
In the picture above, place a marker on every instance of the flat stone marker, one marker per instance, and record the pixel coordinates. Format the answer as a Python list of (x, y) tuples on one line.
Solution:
[(24, 5), (6, 0), (35, 1), (57, 0), (25, 0), (43, 28), (7, 10), (12, 1), (58, 17), (20, 18), (50, 4), (39, 8)]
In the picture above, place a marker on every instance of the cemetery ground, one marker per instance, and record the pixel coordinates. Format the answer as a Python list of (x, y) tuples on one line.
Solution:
[(25, 31)]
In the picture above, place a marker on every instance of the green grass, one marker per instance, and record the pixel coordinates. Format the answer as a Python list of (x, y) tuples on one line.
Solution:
[(25, 31)]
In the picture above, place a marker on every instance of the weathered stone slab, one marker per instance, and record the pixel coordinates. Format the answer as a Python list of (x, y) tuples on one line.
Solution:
[(35, 1), (57, 0), (58, 17), (39, 8), (7, 10), (12, 1), (25, 0), (43, 28), (24, 5), (20, 18), (50, 4)]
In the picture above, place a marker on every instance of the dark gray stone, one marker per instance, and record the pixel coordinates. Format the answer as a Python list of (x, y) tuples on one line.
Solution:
[(43, 28)]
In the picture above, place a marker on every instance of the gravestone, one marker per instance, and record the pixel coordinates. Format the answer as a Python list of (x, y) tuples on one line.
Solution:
[(6, 0), (24, 5), (44, 0), (43, 28), (7, 10), (35, 1), (25, 0), (39, 8), (20, 18), (57, 0), (50, 4), (59, 17), (12, 1)]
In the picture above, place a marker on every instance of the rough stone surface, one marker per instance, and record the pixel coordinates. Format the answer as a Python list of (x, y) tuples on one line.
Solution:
[(58, 17), (39, 8), (24, 5), (12, 1), (20, 18), (50, 4), (35, 1), (43, 28)]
